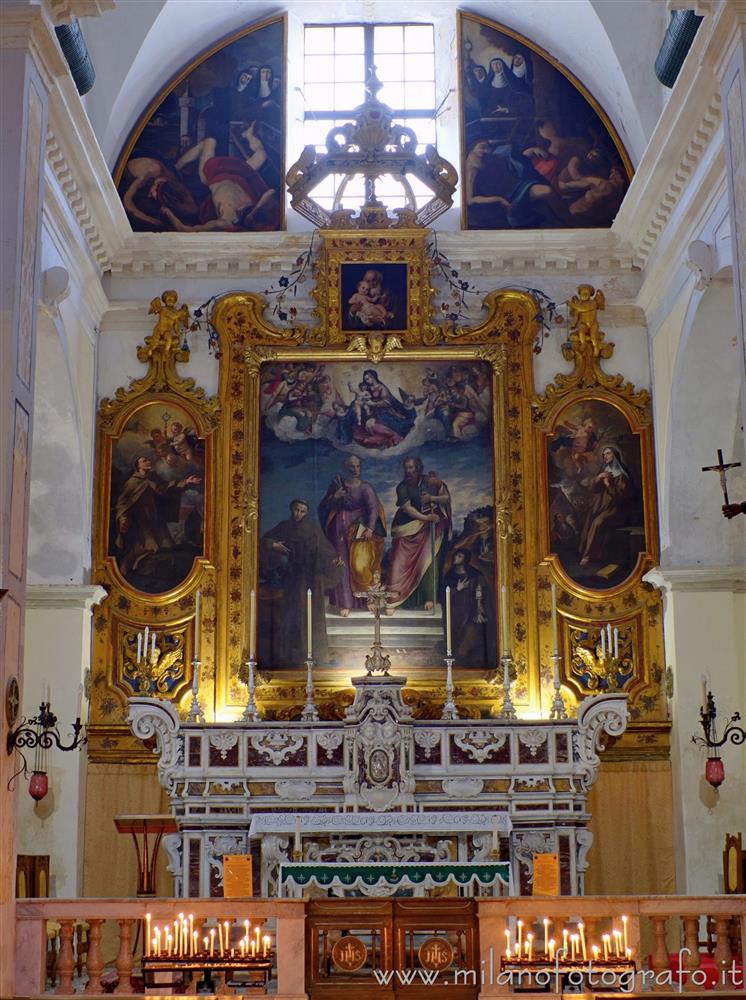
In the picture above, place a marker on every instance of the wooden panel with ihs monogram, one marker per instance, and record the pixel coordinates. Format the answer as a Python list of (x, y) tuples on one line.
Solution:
[(369, 949)]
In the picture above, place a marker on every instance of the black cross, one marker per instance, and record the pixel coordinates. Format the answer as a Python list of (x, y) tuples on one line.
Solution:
[(721, 468)]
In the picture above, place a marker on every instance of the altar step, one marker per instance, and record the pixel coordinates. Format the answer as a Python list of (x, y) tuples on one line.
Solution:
[(404, 628)]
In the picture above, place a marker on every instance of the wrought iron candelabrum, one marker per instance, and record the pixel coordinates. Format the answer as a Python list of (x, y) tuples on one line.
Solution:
[(714, 767), (41, 734)]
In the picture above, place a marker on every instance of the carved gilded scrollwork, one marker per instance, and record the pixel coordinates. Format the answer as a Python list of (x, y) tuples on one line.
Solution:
[(161, 351), (586, 347), (240, 319)]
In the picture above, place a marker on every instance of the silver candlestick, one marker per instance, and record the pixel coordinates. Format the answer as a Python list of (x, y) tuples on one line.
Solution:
[(449, 708), (195, 709), (508, 709), (558, 710), (251, 712), (310, 713)]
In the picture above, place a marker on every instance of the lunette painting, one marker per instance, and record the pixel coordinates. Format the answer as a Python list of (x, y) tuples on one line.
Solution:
[(209, 157), (156, 498), (595, 504), (536, 154), (376, 480)]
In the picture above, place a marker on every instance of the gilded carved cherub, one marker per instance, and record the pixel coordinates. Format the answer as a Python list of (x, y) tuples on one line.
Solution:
[(584, 308), (171, 326)]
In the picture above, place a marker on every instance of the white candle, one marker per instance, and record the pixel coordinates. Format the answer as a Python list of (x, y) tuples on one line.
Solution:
[(296, 848), (309, 628), (448, 621), (616, 643), (145, 640), (520, 936), (226, 935), (624, 932), (197, 624), (546, 935), (195, 948), (608, 637), (507, 939), (555, 634), (147, 935), (139, 646), (603, 641), (152, 643), (212, 941), (552, 946), (605, 940), (529, 946), (220, 938), (504, 620), (581, 929), (265, 942), (252, 625), (157, 942)]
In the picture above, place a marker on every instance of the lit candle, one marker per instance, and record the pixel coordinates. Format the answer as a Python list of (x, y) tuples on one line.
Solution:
[(624, 932), (448, 621), (628, 953), (169, 943), (552, 947), (594, 952), (530, 946), (157, 940), (504, 620), (581, 931), (546, 935), (194, 943), (147, 933), (309, 624), (606, 941), (618, 943), (242, 947), (265, 945), (220, 939), (296, 850), (246, 928), (257, 939), (507, 939), (508, 954), (212, 941), (204, 942), (176, 937), (139, 646), (519, 946), (226, 935), (197, 624), (252, 625), (555, 634), (252, 949), (573, 946), (564, 940), (191, 931)]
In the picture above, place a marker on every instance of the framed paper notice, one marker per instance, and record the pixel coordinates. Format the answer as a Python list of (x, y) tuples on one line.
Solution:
[(546, 875), (237, 875)]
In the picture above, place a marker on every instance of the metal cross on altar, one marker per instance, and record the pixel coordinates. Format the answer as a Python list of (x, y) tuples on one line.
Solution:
[(721, 467), (377, 597)]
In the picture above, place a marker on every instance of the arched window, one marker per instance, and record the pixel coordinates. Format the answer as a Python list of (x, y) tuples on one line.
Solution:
[(338, 59)]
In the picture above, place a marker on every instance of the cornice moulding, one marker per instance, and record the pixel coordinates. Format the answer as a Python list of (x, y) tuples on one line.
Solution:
[(63, 596), (63, 11), (263, 254), (731, 579), (26, 27), (679, 141)]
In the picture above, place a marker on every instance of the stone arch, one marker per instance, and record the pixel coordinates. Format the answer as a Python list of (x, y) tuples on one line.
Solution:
[(705, 416)]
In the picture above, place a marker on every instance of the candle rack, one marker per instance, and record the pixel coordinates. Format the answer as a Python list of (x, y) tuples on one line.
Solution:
[(253, 971)]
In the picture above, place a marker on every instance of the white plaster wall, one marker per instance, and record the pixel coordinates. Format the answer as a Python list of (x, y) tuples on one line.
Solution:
[(59, 505), (705, 416), (57, 654)]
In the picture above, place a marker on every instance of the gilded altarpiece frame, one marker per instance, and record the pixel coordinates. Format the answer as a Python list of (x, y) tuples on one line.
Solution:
[(522, 424)]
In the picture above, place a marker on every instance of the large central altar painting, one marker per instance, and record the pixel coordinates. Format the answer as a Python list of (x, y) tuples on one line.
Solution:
[(376, 476)]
